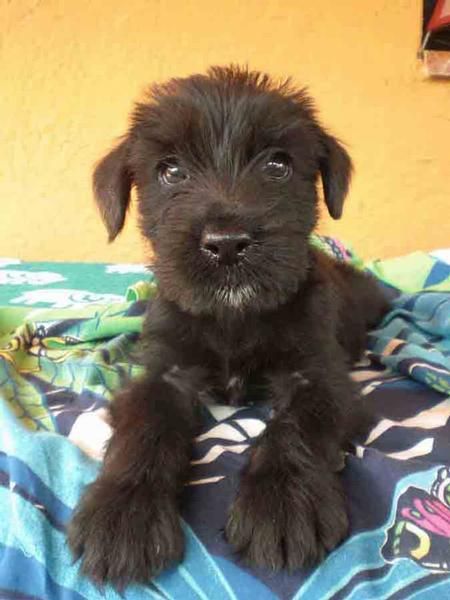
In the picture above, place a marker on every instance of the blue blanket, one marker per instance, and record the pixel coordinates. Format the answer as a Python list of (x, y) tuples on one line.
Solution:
[(52, 431)]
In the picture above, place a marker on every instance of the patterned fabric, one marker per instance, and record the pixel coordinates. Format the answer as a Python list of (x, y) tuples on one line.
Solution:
[(63, 285), (414, 338), (415, 272), (65, 345)]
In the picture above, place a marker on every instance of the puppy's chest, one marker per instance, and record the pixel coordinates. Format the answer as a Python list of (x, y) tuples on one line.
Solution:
[(249, 346), (234, 350), (238, 364), (237, 384)]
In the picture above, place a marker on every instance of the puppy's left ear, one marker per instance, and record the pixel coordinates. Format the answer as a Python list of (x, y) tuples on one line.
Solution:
[(336, 169)]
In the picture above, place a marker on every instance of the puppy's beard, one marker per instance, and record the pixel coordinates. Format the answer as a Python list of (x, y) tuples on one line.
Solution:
[(236, 296)]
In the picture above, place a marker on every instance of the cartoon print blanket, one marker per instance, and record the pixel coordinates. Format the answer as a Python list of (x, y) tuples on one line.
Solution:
[(66, 332)]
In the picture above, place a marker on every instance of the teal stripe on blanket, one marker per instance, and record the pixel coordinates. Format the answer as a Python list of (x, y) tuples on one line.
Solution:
[(30, 578)]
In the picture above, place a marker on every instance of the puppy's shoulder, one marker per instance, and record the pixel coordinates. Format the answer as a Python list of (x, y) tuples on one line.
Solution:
[(324, 268), (163, 318), (324, 274)]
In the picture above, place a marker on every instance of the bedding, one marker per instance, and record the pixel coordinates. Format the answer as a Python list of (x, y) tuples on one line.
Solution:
[(67, 335)]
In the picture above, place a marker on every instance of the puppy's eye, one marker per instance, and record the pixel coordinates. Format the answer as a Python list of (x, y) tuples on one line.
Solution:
[(171, 173), (278, 166)]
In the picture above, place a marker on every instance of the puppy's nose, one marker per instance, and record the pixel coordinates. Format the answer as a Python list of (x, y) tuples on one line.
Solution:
[(226, 247)]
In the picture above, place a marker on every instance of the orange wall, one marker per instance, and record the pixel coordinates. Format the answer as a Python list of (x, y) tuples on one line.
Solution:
[(69, 71)]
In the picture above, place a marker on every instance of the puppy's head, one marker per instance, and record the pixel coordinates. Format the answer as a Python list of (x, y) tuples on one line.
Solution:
[(225, 166)]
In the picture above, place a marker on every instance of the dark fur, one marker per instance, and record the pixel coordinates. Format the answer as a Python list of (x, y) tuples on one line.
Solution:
[(286, 315)]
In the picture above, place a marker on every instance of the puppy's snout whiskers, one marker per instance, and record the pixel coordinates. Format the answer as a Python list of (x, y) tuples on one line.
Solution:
[(235, 296)]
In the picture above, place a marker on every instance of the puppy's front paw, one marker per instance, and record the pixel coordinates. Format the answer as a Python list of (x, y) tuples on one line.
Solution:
[(125, 535), (287, 520)]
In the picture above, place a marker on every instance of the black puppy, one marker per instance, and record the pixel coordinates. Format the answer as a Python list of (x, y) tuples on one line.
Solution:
[(226, 166)]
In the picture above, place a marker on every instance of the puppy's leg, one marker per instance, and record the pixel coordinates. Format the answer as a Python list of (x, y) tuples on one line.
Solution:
[(290, 508), (127, 527)]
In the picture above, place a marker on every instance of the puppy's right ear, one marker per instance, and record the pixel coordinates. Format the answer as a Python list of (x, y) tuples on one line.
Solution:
[(112, 186)]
